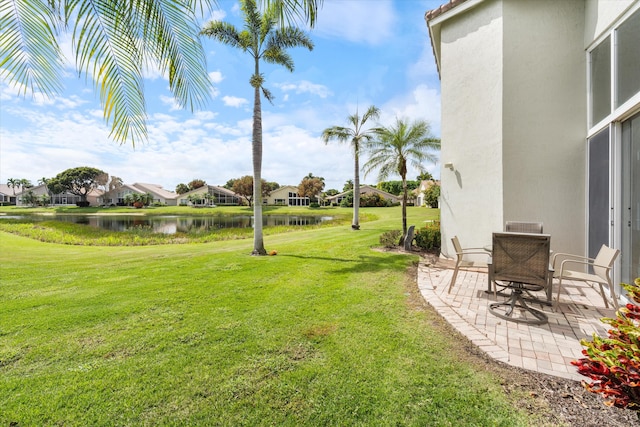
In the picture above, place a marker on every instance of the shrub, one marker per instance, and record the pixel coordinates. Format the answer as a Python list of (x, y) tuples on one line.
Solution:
[(613, 363), (390, 239), (428, 237), (314, 205), (81, 204)]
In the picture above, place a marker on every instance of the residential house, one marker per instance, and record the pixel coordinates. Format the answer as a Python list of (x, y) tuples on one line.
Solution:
[(541, 122), (7, 195), (117, 195), (419, 193), (218, 196), (365, 189), (60, 199), (159, 194), (287, 195)]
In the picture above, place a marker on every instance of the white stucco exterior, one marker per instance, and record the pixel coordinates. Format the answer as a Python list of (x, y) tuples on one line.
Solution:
[(514, 114)]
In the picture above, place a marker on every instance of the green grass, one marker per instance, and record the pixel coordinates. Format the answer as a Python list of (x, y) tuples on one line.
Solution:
[(205, 334)]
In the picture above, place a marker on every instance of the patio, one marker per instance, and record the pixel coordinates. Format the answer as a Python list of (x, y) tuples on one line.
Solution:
[(547, 348)]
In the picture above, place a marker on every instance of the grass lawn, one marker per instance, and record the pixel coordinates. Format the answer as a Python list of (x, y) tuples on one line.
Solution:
[(323, 334)]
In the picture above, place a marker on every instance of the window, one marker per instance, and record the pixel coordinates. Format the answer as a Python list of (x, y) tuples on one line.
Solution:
[(600, 73), (628, 59)]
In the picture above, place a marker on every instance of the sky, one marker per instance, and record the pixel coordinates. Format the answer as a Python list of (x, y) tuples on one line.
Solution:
[(367, 52)]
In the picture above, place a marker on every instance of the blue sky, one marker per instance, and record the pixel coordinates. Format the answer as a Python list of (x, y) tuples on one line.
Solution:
[(366, 52)]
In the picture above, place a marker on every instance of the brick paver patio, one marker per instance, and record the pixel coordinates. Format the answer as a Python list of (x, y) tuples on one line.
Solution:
[(547, 348)]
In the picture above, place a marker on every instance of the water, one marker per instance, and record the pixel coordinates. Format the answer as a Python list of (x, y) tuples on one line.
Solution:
[(172, 224)]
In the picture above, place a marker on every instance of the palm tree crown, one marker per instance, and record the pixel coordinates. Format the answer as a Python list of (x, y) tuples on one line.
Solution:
[(113, 41), (263, 41), (398, 146), (358, 137)]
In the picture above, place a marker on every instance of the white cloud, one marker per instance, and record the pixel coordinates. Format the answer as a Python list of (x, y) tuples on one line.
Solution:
[(305, 86), (422, 103), (233, 101), (369, 22), (216, 76), (170, 102)]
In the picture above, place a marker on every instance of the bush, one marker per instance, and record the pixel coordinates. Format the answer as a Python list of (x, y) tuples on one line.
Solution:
[(428, 237), (613, 363), (314, 205), (390, 239), (84, 204)]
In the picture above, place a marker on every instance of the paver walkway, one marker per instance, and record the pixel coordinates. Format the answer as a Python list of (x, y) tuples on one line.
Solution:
[(545, 348)]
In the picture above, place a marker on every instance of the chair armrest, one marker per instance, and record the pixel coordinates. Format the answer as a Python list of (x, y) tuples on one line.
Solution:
[(466, 252), (586, 261), (569, 256)]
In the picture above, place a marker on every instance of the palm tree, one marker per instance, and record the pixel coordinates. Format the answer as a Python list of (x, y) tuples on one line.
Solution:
[(358, 137), (261, 40), (13, 183), (113, 42), (400, 145)]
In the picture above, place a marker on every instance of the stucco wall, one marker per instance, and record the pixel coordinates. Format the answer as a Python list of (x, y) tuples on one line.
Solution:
[(599, 16), (544, 118), (471, 86)]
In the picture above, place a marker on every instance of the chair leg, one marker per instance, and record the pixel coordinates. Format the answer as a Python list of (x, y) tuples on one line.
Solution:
[(455, 276), (604, 298), (614, 299), (558, 294)]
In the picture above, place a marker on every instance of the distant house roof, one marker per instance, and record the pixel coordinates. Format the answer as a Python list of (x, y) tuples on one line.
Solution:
[(155, 189), (364, 189), (5, 189)]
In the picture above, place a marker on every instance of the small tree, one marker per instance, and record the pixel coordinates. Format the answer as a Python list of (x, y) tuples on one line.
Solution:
[(432, 195), (182, 188), (310, 187), (79, 181), (424, 176), (244, 187), (196, 183)]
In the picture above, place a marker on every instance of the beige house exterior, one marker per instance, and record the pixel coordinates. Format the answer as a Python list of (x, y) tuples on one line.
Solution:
[(159, 194), (287, 195), (93, 197), (541, 122), (218, 196)]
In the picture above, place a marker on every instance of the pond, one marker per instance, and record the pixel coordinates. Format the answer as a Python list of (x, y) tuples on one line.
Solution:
[(169, 224)]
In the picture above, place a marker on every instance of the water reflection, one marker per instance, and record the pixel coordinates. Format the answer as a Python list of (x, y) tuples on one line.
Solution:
[(174, 224)]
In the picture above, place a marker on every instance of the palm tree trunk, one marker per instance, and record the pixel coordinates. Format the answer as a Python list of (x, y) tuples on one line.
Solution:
[(355, 224), (404, 209), (258, 240)]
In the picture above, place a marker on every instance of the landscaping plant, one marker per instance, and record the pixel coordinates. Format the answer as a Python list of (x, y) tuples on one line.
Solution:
[(613, 363), (429, 237)]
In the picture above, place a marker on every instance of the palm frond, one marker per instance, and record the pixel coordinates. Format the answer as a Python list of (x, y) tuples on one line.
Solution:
[(291, 11), (337, 133), (289, 37), (267, 94), (278, 56), (30, 56), (225, 33), (107, 48), (171, 37)]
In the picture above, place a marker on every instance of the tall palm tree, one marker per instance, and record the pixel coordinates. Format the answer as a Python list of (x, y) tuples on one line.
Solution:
[(263, 41), (358, 136), (13, 183), (113, 41), (397, 146)]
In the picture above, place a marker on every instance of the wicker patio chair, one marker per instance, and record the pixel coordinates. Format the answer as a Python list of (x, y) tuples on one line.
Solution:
[(601, 265), (463, 263), (523, 227), (520, 262)]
